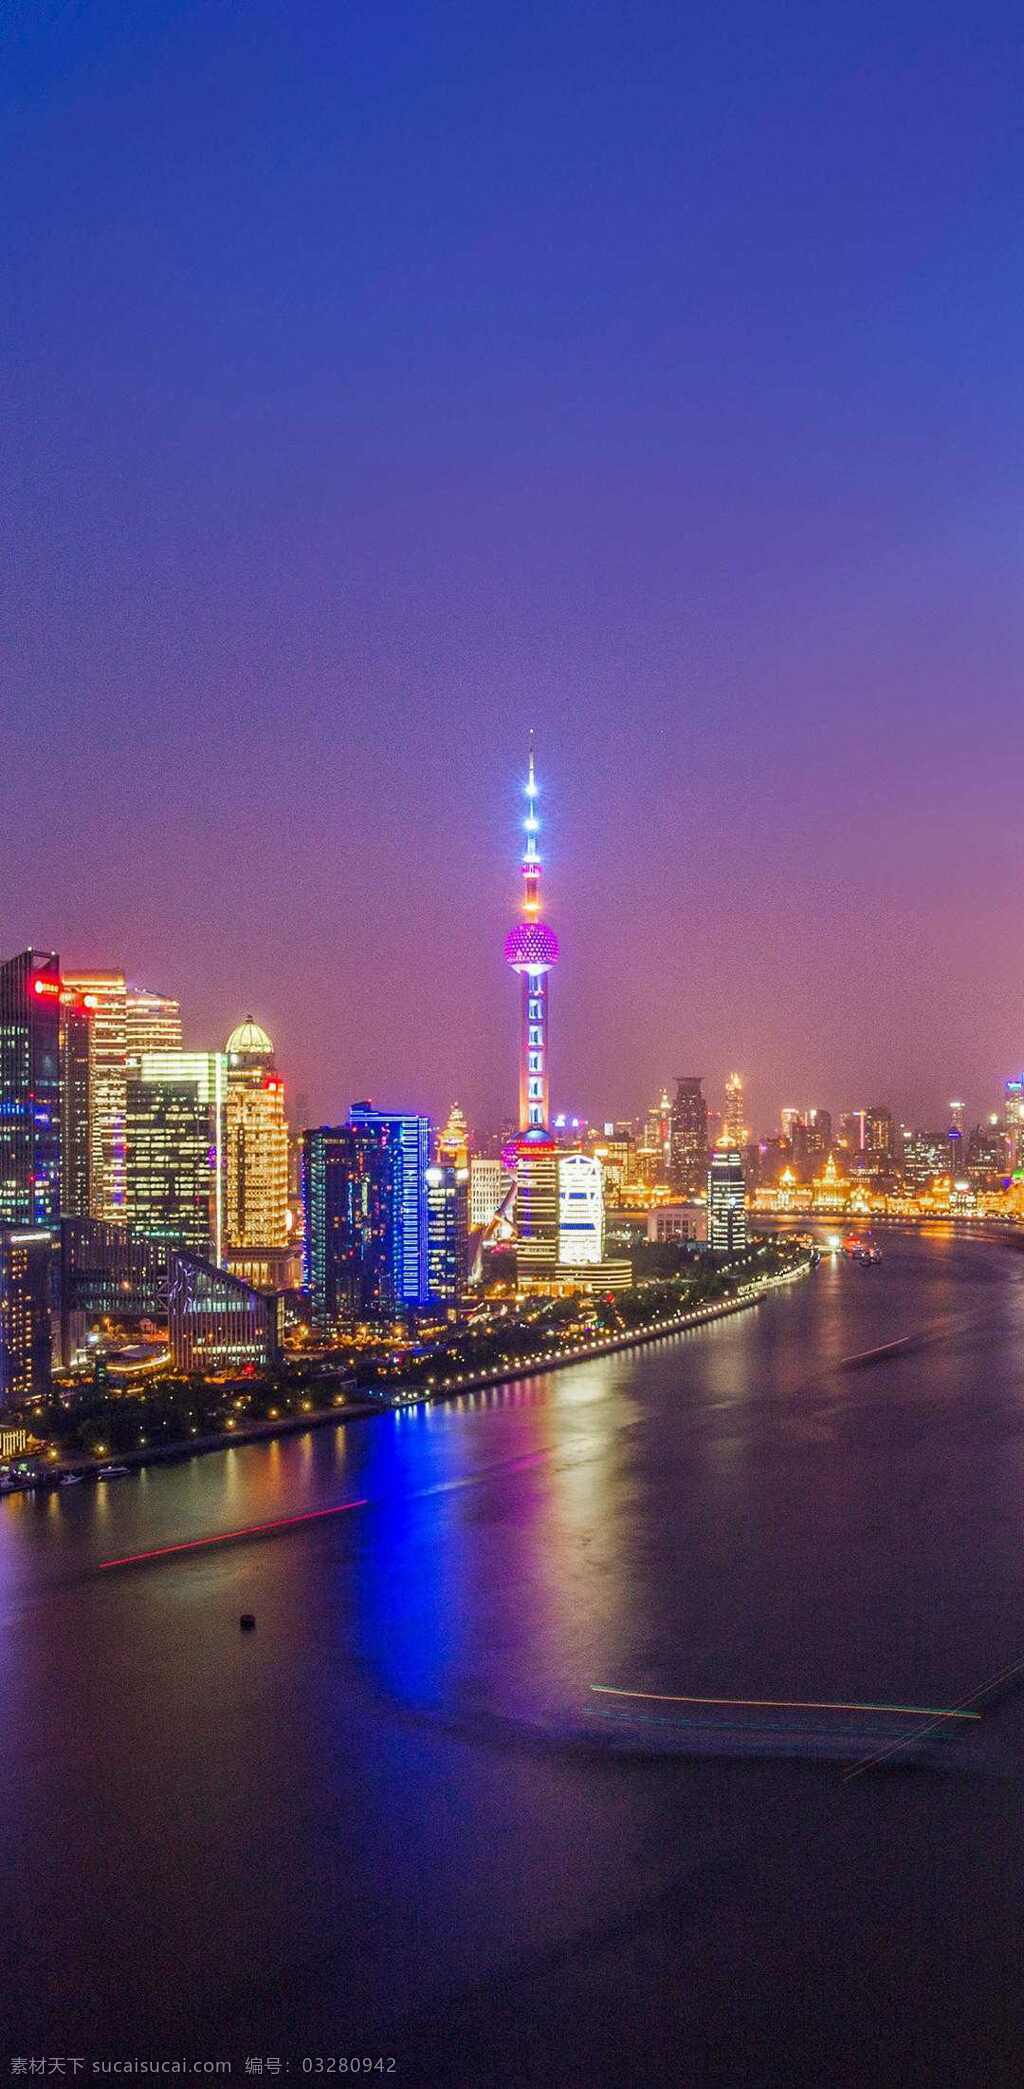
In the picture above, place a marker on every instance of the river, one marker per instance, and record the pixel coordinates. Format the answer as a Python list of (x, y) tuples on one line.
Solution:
[(396, 1819)]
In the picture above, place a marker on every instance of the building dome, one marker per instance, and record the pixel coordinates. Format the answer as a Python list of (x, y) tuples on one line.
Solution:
[(249, 1041), (531, 947)]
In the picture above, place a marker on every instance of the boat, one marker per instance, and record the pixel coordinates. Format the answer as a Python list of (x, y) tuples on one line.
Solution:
[(71, 1479), (113, 1472), (858, 1247)]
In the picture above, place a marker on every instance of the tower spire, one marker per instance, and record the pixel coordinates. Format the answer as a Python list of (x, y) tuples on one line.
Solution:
[(531, 853)]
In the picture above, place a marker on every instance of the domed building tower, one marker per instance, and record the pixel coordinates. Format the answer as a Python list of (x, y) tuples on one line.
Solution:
[(531, 949), (256, 1142)]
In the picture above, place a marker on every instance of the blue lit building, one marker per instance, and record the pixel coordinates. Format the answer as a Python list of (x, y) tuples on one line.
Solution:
[(412, 1135), (30, 1012), (352, 1180)]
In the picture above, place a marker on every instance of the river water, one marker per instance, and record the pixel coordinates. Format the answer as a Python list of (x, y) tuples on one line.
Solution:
[(397, 1818)]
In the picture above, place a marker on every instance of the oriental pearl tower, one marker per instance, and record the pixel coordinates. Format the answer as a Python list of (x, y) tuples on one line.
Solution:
[(531, 949)]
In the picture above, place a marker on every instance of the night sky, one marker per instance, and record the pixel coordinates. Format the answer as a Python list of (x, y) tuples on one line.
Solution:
[(381, 380)]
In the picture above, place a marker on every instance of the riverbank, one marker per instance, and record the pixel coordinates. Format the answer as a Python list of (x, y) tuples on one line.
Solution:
[(364, 1403)]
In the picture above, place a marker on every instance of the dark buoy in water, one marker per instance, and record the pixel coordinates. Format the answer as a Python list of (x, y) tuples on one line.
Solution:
[(247, 1621)]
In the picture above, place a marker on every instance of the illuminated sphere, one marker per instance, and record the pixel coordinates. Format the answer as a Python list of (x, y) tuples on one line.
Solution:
[(249, 1041), (531, 947)]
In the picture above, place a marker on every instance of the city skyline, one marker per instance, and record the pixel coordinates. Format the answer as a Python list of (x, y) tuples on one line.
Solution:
[(764, 1115)]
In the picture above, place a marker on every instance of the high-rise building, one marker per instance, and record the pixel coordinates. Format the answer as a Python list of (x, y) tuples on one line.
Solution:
[(152, 1024), (727, 1202), (924, 1157), (411, 1134), (853, 1135), (207, 1074), (879, 1138), (352, 1181), (169, 1164), (956, 1145), (654, 1149), (453, 1140), (30, 1089), (536, 1209), (986, 1155), (257, 1142), (734, 1122), (689, 1136), (489, 1185), (448, 1233), (105, 996), (26, 1279), (75, 1116), (1013, 1120), (580, 1209)]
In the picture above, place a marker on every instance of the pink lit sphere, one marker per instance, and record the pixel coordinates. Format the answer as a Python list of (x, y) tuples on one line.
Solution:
[(531, 947)]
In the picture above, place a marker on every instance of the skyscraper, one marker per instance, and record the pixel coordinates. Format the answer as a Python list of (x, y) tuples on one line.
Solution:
[(689, 1136), (26, 1275), (654, 1150), (734, 1122), (536, 1209), (30, 1089), (580, 1210), (352, 1179), (257, 1142), (206, 1072), (411, 1135), (489, 1184), (727, 1201), (105, 996), (531, 949), (169, 1164), (152, 1024), (448, 1233), (75, 1115), (879, 1138), (1013, 1120)]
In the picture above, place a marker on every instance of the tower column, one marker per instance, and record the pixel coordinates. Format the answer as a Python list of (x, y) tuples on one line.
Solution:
[(534, 1087)]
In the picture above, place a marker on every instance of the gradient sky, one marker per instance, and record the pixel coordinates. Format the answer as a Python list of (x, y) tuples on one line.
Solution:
[(381, 379)]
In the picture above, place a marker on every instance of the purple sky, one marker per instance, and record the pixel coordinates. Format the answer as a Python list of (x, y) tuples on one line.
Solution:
[(382, 379)]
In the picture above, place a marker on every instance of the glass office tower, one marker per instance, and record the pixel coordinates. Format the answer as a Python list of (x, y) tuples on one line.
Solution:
[(104, 995), (352, 1186), (169, 1164), (412, 1135), (30, 1089), (206, 1072), (75, 1116), (26, 1276), (448, 1233)]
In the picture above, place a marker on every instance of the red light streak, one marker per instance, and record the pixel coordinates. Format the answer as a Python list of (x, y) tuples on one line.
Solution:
[(224, 1537), (782, 1704)]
